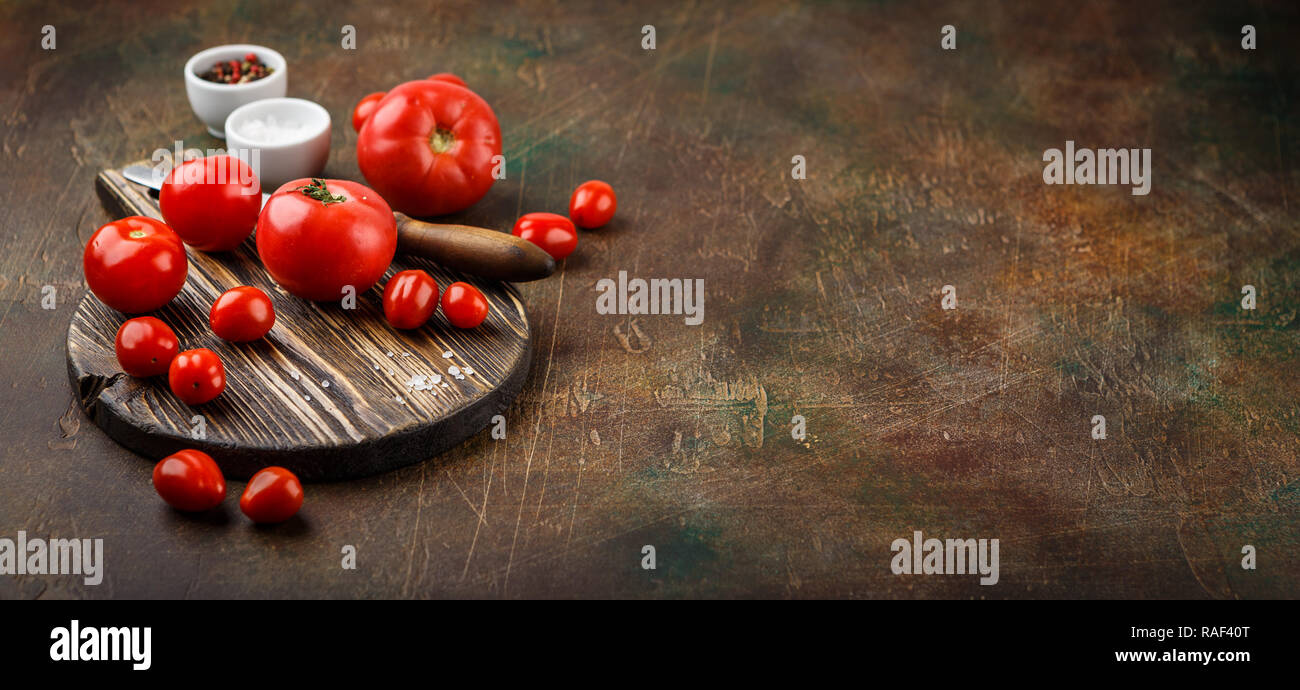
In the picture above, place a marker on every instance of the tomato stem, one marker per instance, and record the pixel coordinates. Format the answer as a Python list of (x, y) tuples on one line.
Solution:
[(441, 140), (317, 191)]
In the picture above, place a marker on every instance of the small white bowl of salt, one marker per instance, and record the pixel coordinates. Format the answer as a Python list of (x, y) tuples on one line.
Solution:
[(282, 139)]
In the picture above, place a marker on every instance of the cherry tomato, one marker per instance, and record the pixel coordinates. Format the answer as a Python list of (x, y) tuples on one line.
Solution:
[(430, 147), (464, 306), (364, 108), (410, 299), (592, 205), (550, 231), (145, 346), (242, 314), (135, 264), (449, 78), (317, 237), (272, 495), (197, 376), (189, 480), (212, 202)]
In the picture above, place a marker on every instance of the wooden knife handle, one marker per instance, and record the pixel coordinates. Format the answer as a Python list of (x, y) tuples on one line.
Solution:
[(479, 251)]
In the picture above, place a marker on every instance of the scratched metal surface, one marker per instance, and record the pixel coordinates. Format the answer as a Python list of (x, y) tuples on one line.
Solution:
[(822, 300)]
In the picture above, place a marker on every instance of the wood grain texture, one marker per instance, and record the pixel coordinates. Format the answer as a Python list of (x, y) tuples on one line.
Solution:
[(325, 393)]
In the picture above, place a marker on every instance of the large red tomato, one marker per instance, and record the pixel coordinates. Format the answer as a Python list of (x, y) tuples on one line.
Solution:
[(135, 264), (428, 147), (211, 202), (317, 237)]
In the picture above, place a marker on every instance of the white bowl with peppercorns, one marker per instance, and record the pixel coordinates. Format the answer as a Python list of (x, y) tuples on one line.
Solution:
[(220, 79)]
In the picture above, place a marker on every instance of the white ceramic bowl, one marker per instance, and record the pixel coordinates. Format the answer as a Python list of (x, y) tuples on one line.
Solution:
[(214, 102), (301, 153)]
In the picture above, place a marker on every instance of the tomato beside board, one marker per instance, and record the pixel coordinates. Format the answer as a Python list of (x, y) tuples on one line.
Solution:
[(145, 346), (430, 147), (319, 237), (273, 495), (135, 264), (189, 480), (593, 204), (212, 202), (550, 231)]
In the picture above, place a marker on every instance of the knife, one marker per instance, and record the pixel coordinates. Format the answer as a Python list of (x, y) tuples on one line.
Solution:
[(466, 248)]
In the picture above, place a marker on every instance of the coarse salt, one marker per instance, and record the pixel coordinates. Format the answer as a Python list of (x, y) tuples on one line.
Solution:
[(269, 130), (453, 370), (448, 354)]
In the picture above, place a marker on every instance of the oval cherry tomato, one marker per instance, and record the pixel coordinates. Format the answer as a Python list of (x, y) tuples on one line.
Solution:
[(196, 376), (410, 299), (272, 495), (464, 306), (135, 264), (212, 202), (242, 314), (593, 204), (145, 346), (189, 480), (364, 108), (317, 237), (550, 231), (429, 147), (449, 78)]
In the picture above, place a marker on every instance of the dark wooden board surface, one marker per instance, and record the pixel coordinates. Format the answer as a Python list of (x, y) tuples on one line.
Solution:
[(924, 170), (329, 393)]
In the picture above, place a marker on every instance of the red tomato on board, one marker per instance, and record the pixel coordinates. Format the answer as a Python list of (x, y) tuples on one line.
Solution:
[(365, 106), (593, 204), (428, 147), (464, 306), (410, 299), (135, 264), (550, 231), (242, 314), (189, 480), (145, 346), (196, 376), (272, 495), (316, 240), (212, 202)]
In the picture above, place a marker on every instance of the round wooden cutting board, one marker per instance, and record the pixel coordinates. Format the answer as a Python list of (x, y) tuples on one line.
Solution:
[(330, 393)]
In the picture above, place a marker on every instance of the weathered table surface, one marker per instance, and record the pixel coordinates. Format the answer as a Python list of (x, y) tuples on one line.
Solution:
[(823, 300)]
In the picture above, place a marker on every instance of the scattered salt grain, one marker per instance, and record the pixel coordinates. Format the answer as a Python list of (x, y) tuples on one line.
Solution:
[(376, 367), (390, 353), (294, 375), (324, 384), (406, 354), (399, 400), (307, 398), (469, 371), (453, 370), (448, 354)]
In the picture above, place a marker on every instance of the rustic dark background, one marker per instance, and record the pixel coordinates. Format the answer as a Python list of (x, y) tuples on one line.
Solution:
[(924, 169)]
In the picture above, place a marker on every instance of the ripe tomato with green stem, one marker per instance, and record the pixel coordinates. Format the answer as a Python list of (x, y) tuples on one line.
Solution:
[(464, 306), (430, 147), (135, 264), (593, 204), (273, 495), (242, 314), (212, 202), (189, 480), (145, 346), (318, 238), (196, 376), (410, 298), (550, 231)]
